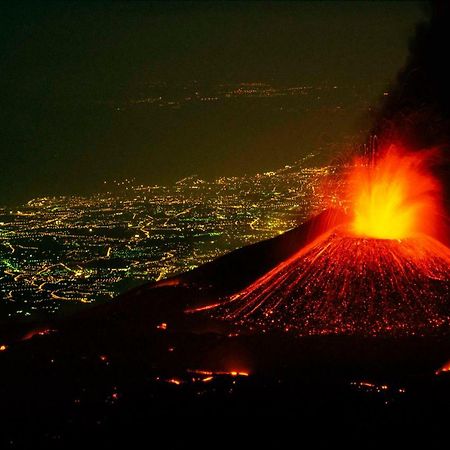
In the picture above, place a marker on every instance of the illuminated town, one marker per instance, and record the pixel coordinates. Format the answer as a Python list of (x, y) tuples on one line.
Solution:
[(291, 97), (56, 250)]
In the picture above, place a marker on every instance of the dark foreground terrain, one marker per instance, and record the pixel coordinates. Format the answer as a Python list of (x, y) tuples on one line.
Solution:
[(141, 367)]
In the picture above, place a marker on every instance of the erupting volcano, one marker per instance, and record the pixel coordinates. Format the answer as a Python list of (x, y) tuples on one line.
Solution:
[(384, 272)]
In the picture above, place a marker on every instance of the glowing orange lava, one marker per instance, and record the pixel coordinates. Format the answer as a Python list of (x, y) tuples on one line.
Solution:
[(384, 272), (444, 369), (395, 198)]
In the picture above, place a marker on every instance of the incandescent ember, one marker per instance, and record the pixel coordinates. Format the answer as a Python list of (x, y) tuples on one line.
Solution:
[(383, 273)]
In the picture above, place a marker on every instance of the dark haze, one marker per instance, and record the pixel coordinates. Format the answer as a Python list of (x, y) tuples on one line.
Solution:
[(417, 111)]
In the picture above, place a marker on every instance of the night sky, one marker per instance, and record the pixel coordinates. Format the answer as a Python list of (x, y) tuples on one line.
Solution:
[(69, 71)]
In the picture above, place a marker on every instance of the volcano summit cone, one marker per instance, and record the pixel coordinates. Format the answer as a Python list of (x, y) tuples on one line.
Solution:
[(346, 284)]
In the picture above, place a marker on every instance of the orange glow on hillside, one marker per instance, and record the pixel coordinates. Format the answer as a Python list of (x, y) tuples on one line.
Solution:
[(444, 368), (395, 198), (379, 270), (37, 332)]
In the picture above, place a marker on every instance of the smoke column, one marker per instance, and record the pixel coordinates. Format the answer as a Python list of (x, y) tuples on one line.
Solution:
[(417, 110)]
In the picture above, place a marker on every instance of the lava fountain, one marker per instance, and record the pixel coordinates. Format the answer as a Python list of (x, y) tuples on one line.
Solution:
[(395, 198), (383, 273)]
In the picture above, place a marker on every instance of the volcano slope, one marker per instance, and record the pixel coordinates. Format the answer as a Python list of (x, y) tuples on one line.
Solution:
[(344, 284), (142, 363)]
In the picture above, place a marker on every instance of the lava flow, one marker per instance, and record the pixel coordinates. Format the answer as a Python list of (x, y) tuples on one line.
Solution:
[(383, 273)]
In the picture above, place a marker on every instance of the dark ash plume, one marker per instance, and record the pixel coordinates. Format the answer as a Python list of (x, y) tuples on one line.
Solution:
[(417, 110)]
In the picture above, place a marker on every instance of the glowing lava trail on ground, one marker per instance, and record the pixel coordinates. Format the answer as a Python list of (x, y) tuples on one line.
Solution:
[(381, 274)]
